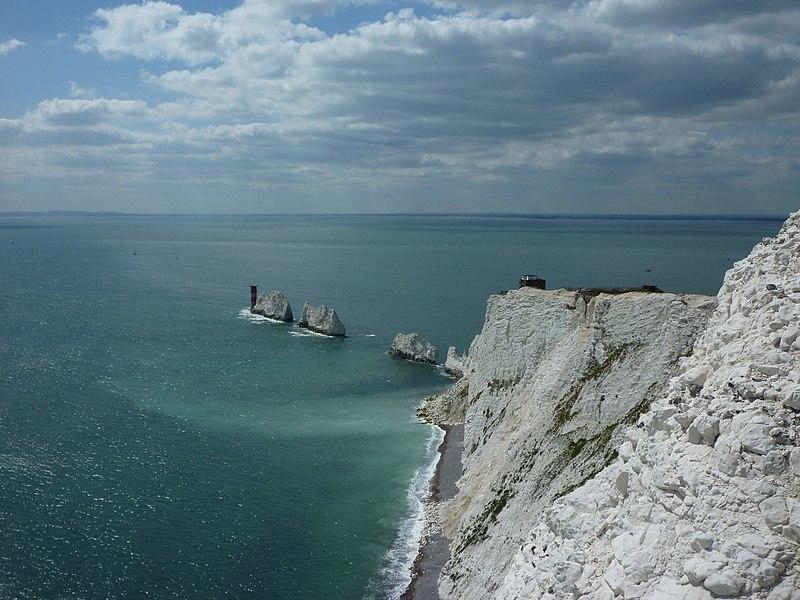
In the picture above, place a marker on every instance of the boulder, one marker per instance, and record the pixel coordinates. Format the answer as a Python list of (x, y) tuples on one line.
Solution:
[(410, 346), (792, 398), (724, 584), (321, 319), (704, 429), (454, 365), (274, 306)]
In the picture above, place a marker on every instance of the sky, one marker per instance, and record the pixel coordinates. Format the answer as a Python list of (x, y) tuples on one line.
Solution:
[(293, 106)]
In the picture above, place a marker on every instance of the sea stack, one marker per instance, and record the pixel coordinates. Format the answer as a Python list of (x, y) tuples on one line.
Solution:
[(454, 365), (274, 306), (321, 319), (410, 346)]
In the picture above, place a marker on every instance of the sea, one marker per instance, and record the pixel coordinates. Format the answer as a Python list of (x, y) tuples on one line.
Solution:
[(157, 441)]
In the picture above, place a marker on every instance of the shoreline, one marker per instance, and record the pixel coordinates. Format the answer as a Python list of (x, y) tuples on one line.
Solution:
[(434, 549)]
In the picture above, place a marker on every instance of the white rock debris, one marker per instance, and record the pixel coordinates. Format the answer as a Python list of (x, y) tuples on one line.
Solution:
[(703, 500)]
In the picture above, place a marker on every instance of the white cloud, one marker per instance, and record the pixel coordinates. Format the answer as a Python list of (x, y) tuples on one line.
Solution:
[(77, 91), (60, 37), (162, 30), (154, 30), (10, 45), (85, 112)]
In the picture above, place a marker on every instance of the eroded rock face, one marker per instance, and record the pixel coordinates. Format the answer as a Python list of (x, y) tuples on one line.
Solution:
[(321, 319), (274, 305), (554, 380), (703, 499), (410, 346), (455, 364)]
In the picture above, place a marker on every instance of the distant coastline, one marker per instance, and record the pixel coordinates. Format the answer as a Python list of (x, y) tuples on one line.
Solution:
[(531, 216)]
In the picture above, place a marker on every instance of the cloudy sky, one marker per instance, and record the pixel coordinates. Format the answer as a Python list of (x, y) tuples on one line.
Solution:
[(633, 106)]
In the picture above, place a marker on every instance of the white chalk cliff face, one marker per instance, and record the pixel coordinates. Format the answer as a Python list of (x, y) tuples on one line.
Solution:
[(703, 500), (550, 384), (587, 476), (454, 365)]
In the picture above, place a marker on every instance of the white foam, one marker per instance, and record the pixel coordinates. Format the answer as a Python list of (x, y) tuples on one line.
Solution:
[(246, 314), (400, 559), (300, 332), (297, 331)]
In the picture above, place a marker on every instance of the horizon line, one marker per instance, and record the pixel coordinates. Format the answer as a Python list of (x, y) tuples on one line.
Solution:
[(498, 215)]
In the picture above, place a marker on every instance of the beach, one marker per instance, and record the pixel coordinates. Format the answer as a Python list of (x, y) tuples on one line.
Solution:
[(434, 549)]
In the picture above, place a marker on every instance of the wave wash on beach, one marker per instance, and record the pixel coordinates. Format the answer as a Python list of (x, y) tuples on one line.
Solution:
[(396, 573)]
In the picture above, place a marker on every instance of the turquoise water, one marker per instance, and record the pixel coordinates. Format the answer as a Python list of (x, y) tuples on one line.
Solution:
[(155, 443)]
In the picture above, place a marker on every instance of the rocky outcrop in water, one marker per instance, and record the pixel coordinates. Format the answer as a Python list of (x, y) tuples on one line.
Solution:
[(410, 346), (321, 319), (626, 446), (454, 365), (274, 306)]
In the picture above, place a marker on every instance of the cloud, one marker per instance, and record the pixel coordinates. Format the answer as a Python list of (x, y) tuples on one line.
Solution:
[(534, 104), (630, 13), (67, 123), (10, 45), (684, 13), (161, 30), (76, 91), (83, 112), (154, 30), (60, 37)]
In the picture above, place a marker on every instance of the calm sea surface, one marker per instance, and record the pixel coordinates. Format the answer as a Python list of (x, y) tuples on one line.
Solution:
[(154, 442)]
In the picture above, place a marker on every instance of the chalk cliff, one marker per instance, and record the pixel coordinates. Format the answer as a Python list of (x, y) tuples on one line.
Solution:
[(602, 461), (454, 365), (553, 379)]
